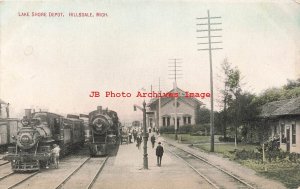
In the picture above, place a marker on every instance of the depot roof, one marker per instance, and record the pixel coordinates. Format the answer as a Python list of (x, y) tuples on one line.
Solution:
[(189, 100)]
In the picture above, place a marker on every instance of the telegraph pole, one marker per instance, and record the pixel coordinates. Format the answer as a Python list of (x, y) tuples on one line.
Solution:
[(210, 22), (145, 136), (159, 104), (175, 73)]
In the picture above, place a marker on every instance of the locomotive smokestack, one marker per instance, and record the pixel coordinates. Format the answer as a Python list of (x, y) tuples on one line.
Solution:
[(99, 108), (28, 113)]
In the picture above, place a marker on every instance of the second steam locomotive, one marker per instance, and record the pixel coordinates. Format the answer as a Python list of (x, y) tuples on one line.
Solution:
[(104, 127)]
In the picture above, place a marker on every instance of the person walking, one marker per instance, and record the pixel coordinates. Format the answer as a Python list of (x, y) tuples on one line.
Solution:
[(138, 141), (153, 140), (134, 135), (55, 154), (159, 153), (129, 137), (7, 110)]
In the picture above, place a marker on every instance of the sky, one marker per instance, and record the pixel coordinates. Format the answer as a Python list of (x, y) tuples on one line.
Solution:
[(54, 63)]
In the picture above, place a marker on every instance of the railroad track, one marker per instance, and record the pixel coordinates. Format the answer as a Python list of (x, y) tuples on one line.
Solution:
[(214, 175), (4, 163), (13, 180), (80, 171), (8, 175)]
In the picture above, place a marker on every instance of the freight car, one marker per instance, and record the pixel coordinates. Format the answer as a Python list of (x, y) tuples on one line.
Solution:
[(39, 132), (104, 127), (8, 128)]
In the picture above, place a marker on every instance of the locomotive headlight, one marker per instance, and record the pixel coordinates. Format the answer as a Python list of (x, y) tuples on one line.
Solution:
[(25, 122), (25, 139)]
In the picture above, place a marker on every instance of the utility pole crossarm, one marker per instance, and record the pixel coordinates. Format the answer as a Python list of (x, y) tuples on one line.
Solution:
[(210, 49)]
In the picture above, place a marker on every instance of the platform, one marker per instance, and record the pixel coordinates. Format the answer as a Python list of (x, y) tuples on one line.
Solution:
[(126, 171)]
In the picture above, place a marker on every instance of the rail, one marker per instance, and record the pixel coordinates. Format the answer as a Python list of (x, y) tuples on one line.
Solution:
[(96, 176), (209, 163), (70, 175)]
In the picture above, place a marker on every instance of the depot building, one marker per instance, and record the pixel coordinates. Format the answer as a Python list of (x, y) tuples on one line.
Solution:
[(187, 108)]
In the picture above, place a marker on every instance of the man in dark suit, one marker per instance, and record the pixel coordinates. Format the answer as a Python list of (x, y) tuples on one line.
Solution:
[(159, 153), (153, 140), (7, 110)]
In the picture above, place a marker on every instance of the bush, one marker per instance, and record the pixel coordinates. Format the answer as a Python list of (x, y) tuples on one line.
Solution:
[(186, 129), (294, 157), (228, 139), (272, 153), (167, 130), (244, 155)]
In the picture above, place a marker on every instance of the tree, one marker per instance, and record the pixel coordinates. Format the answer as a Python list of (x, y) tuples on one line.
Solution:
[(226, 96), (288, 91), (239, 108), (235, 89), (203, 116), (291, 84), (230, 93), (269, 95)]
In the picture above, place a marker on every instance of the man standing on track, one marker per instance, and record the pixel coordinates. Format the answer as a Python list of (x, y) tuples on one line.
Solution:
[(55, 154), (159, 153)]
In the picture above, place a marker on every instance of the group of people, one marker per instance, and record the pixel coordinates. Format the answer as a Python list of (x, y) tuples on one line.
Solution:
[(159, 149), (138, 139)]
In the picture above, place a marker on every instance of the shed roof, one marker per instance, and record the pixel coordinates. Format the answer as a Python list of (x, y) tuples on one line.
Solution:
[(282, 107)]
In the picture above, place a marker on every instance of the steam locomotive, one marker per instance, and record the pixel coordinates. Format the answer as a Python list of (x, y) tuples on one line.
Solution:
[(39, 132), (104, 127)]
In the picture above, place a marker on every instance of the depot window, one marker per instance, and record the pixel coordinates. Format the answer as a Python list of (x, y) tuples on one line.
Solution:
[(166, 121), (187, 120)]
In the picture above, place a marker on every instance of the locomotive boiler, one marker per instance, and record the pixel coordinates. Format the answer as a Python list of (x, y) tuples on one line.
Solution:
[(35, 138), (104, 131)]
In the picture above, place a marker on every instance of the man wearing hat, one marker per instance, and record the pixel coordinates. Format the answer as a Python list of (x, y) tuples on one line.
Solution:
[(159, 153), (55, 154)]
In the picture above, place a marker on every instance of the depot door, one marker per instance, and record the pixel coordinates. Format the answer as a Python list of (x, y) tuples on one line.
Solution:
[(288, 139)]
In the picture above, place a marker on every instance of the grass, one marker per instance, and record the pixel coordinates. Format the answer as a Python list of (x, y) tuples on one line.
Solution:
[(226, 149), (203, 142), (283, 171), (189, 139)]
